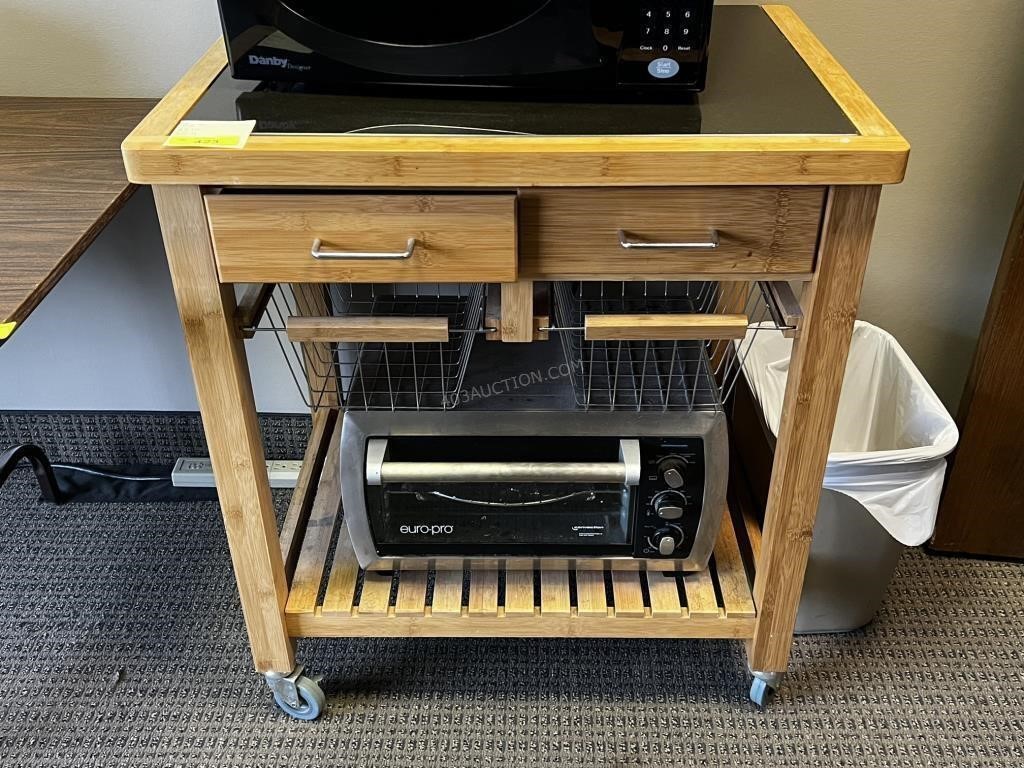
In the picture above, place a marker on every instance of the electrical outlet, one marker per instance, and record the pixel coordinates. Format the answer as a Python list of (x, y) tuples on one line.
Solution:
[(284, 473), (191, 472)]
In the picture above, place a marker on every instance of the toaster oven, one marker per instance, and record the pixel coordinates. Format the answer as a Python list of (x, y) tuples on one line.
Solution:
[(590, 49), (602, 450), (523, 486)]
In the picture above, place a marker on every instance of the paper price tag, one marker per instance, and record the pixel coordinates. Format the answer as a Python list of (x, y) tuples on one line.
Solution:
[(228, 134), (6, 329)]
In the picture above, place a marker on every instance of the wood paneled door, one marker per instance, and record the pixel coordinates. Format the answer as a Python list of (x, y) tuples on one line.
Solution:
[(982, 512)]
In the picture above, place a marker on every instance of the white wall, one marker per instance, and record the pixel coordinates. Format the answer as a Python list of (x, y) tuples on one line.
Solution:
[(101, 47), (950, 75)]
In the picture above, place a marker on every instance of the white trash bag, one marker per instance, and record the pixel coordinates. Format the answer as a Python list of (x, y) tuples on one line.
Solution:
[(892, 432)]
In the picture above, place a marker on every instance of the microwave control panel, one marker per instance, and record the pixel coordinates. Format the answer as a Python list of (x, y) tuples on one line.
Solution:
[(670, 498), (665, 42)]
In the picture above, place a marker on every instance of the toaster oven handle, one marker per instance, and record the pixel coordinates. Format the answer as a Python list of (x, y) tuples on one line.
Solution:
[(318, 253), (710, 244), (380, 470)]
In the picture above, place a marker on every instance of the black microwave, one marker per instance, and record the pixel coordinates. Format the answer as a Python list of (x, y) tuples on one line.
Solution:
[(588, 49)]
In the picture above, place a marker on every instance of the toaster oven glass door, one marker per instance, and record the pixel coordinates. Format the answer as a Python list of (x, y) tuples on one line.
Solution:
[(568, 510)]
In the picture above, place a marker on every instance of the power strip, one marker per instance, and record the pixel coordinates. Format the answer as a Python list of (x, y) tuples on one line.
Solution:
[(198, 473)]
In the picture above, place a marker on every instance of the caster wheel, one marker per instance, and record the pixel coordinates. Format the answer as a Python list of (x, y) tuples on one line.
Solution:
[(760, 692), (312, 697)]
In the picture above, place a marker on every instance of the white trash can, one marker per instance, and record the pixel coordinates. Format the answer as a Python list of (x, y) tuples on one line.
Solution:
[(885, 471)]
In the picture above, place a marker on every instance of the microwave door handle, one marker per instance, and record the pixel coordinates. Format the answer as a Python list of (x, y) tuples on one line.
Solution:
[(379, 470)]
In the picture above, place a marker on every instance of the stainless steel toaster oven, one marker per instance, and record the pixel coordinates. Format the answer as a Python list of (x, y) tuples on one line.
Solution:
[(532, 485)]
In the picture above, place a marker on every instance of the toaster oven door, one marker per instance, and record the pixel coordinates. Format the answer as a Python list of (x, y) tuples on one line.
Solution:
[(507, 496)]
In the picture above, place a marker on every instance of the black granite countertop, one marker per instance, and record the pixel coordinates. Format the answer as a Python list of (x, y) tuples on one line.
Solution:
[(757, 84)]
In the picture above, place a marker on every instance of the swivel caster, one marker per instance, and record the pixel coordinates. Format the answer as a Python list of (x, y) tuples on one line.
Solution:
[(764, 687), (297, 695)]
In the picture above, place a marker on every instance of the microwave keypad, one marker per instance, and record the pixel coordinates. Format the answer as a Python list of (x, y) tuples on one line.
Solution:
[(667, 30)]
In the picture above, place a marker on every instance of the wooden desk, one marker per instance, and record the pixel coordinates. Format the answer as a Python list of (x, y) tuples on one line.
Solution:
[(61, 182), (790, 205)]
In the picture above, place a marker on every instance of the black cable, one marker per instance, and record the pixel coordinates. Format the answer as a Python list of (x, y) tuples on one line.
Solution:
[(35, 455), (111, 475)]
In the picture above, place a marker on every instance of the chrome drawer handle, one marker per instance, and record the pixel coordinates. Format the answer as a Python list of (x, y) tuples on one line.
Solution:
[(710, 245), (316, 253)]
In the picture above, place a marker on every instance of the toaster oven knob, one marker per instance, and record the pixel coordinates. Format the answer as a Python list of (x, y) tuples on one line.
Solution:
[(667, 540), (671, 471), (670, 505)]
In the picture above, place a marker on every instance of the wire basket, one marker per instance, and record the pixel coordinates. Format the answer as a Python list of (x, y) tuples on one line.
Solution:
[(378, 375), (663, 375)]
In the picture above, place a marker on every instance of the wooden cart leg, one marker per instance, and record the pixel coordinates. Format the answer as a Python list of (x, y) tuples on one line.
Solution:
[(816, 373), (229, 419)]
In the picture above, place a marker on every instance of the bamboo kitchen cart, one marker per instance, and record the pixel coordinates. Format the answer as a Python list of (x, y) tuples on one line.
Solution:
[(770, 179)]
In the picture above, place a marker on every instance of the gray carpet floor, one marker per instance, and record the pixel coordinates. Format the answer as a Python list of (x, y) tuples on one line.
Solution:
[(122, 644)]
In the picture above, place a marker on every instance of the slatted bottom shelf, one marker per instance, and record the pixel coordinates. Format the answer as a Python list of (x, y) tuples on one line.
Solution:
[(337, 599)]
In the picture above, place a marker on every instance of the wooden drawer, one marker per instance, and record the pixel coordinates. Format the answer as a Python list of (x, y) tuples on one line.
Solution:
[(364, 238), (568, 234)]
